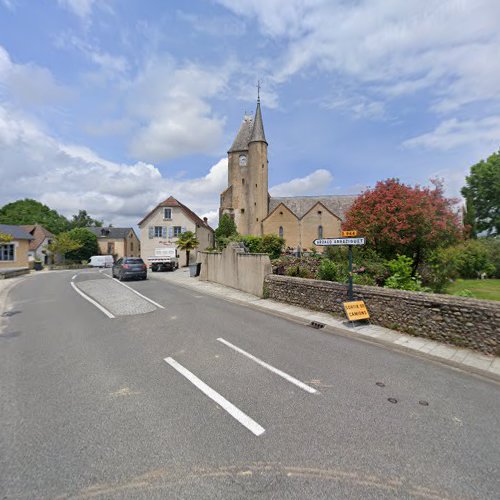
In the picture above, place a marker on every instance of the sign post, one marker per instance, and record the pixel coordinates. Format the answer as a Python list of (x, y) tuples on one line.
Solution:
[(350, 239)]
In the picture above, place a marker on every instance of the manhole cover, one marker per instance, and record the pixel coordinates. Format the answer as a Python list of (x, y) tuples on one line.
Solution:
[(423, 403), (392, 400)]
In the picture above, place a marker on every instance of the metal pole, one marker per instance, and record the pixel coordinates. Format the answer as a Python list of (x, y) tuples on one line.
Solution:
[(350, 274)]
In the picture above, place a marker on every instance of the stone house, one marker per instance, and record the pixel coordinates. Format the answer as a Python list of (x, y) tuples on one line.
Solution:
[(14, 253), (117, 241), (162, 226), (38, 246), (299, 220)]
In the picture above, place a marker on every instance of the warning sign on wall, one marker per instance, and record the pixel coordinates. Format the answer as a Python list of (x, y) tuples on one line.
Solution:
[(356, 310)]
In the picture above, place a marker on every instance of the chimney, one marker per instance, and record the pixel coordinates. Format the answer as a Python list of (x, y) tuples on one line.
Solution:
[(205, 220)]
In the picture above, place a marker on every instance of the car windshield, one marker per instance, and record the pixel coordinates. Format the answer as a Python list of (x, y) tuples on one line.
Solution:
[(133, 261)]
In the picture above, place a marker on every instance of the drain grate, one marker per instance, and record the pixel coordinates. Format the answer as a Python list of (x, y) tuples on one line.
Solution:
[(392, 400), (317, 325)]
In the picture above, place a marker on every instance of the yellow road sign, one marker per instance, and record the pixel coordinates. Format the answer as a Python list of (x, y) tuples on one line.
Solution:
[(356, 310), (349, 234)]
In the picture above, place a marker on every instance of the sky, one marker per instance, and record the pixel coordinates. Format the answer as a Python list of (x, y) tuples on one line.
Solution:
[(113, 105)]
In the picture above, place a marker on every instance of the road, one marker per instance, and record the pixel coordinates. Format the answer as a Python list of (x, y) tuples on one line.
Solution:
[(180, 395)]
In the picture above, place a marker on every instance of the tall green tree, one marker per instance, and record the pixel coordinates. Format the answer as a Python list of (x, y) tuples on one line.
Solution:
[(482, 189), (88, 244), (30, 211), (83, 219), (469, 220), (62, 244), (226, 228), (187, 241)]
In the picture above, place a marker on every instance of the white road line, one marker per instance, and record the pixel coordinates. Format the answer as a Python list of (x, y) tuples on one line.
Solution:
[(291, 379), (92, 301), (235, 412), (74, 276), (137, 293)]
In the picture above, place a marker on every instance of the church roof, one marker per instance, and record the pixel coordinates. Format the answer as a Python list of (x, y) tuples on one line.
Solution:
[(258, 126), (241, 141), (300, 205)]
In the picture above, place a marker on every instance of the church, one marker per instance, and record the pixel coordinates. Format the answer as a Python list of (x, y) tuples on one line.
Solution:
[(297, 219)]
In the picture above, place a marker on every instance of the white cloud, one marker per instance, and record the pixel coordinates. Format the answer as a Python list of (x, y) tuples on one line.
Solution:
[(71, 177), (172, 101), (356, 106), (453, 133), (82, 8), (449, 47), (28, 85), (317, 182), (9, 4)]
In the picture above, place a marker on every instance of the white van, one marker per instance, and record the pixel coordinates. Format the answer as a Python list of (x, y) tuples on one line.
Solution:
[(101, 261)]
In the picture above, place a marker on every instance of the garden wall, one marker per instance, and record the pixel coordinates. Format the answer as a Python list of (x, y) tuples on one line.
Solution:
[(456, 320), (235, 268)]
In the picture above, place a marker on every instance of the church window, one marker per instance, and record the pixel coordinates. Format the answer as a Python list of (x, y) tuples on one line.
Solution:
[(320, 232), (255, 185), (319, 212), (255, 204), (281, 213), (242, 210), (243, 181), (281, 231)]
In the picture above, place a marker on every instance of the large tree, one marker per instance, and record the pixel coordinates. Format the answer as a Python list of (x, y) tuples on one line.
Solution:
[(399, 219), (482, 191), (88, 244), (33, 212), (83, 219)]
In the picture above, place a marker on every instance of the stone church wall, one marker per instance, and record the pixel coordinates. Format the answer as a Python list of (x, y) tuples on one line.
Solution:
[(459, 321)]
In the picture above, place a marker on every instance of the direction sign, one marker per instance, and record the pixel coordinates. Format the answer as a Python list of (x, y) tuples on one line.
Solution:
[(323, 242)]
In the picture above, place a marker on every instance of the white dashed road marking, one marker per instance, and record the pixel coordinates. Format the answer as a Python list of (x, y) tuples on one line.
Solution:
[(282, 374), (235, 412)]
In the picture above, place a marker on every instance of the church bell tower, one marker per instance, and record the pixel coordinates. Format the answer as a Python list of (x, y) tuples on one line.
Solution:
[(246, 199)]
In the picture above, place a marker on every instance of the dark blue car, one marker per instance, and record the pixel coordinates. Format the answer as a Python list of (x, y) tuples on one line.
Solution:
[(129, 267)]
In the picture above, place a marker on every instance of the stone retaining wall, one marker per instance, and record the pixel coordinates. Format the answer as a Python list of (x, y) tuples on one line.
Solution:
[(459, 321)]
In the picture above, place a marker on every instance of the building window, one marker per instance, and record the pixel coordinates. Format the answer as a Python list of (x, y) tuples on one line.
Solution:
[(111, 248), (177, 231), (281, 213), (158, 231), (257, 219), (255, 185), (7, 252), (242, 210), (319, 212), (131, 246), (243, 181), (320, 232), (167, 213), (281, 232)]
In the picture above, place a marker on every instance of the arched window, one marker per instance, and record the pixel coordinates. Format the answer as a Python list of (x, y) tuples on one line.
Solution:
[(320, 232), (281, 231)]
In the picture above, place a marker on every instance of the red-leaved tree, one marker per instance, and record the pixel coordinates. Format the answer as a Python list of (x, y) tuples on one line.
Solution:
[(400, 219)]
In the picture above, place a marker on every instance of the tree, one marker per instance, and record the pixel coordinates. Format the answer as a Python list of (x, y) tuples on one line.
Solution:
[(62, 244), (399, 219), (187, 241), (82, 219), (5, 238), (482, 188), (271, 244), (469, 220), (33, 212), (227, 227), (88, 244)]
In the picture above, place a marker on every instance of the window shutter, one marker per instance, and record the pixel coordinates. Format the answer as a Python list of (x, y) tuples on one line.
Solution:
[(164, 232), (170, 232), (151, 231), (183, 230)]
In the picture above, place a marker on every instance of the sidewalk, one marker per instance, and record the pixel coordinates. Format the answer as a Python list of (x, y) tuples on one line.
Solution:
[(465, 359)]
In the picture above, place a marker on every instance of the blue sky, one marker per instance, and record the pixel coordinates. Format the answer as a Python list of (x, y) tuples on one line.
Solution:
[(113, 105)]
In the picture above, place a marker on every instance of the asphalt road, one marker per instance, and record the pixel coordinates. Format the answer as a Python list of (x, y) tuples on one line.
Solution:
[(91, 409)]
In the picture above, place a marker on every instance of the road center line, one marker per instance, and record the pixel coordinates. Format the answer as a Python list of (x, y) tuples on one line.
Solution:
[(235, 412), (135, 291), (92, 301), (282, 374)]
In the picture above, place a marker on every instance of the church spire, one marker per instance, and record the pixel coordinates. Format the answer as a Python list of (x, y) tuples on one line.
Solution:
[(258, 126)]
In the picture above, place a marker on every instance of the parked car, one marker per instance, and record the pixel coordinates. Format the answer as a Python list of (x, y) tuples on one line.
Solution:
[(130, 267), (101, 261)]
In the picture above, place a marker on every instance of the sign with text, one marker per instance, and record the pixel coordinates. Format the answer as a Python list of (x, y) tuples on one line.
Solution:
[(323, 242), (356, 310), (349, 234)]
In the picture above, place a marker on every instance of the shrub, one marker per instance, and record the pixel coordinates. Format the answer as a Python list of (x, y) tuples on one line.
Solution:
[(329, 271), (269, 243), (401, 277), (297, 271)]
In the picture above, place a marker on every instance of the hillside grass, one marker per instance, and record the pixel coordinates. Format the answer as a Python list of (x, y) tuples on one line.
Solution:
[(480, 289)]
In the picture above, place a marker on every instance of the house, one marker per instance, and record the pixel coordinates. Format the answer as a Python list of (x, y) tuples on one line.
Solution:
[(162, 226), (117, 241), (38, 245), (299, 220), (14, 252)]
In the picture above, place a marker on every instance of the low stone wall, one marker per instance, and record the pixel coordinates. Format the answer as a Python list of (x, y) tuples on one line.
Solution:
[(459, 321), (235, 268)]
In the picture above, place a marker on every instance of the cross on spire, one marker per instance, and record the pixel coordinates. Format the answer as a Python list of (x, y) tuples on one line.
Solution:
[(258, 90)]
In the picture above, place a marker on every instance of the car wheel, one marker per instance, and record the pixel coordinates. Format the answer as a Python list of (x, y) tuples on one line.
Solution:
[(120, 277)]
